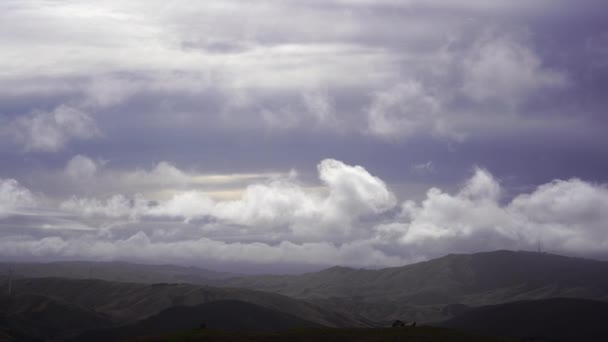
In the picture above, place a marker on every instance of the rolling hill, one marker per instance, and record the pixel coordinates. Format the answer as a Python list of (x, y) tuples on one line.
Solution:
[(32, 317), (555, 319), (126, 303), (450, 278), (431, 291), (228, 315), (426, 291)]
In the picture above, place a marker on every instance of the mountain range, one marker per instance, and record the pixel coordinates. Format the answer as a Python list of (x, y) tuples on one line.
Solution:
[(63, 300)]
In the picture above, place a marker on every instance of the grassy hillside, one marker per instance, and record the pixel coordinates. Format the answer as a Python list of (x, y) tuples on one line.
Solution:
[(128, 302), (422, 291), (557, 319), (418, 334), (447, 279), (430, 291), (40, 317), (225, 315)]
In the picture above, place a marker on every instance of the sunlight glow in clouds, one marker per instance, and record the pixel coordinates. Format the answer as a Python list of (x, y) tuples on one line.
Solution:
[(356, 221), (189, 132)]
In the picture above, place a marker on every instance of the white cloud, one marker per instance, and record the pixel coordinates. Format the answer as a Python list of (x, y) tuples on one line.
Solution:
[(13, 197), (163, 173), (253, 56), (444, 218), (408, 109), (319, 105), (51, 131), (403, 111), (353, 190), (281, 206), (81, 168), (500, 67), (565, 216), (350, 221), (113, 207), (139, 247), (186, 205), (288, 209)]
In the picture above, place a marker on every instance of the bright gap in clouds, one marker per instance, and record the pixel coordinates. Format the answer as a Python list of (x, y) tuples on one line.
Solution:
[(355, 220)]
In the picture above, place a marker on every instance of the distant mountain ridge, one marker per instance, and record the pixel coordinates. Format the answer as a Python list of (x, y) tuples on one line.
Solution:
[(421, 291), (115, 271), (428, 291), (455, 276)]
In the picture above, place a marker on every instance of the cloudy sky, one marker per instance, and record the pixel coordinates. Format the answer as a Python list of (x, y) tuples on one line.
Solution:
[(297, 134)]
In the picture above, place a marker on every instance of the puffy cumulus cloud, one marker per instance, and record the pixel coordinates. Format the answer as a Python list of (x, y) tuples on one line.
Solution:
[(51, 131), (447, 221), (352, 194), (281, 206), (501, 67), (186, 205), (565, 216), (13, 196), (354, 190), (354, 220)]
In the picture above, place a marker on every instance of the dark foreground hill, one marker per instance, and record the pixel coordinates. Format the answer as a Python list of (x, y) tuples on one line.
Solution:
[(409, 334), (557, 319), (33, 317), (227, 315)]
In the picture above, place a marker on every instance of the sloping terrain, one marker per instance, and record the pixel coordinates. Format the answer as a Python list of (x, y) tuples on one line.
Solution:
[(423, 291), (448, 279), (129, 302), (431, 291), (557, 319), (31, 316), (220, 315)]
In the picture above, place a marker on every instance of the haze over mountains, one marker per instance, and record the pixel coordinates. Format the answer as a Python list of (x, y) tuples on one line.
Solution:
[(116, 271), (62, 300)]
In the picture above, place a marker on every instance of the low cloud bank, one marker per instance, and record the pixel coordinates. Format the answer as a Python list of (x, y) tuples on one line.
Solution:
[(353, 219)]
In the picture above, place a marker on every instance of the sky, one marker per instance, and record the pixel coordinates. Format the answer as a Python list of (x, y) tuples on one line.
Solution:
[(284, 136)]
